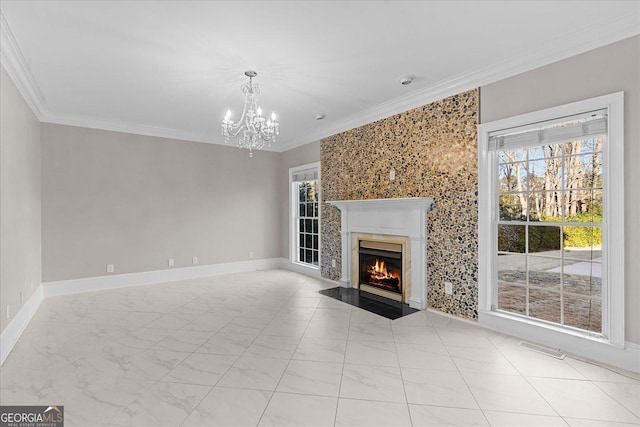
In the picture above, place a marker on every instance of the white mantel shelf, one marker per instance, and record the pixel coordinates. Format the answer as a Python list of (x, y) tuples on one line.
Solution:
[(411, 202), (405, 217)]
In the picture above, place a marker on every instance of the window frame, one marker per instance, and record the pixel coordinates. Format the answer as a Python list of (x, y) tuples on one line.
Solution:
[(293, 222), (613, 222)]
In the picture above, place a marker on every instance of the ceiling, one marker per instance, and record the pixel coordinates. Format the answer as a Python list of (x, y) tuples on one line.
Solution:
[(172, 68)]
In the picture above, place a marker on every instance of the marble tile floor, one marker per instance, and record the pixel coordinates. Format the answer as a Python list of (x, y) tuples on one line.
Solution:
[(266, 349)]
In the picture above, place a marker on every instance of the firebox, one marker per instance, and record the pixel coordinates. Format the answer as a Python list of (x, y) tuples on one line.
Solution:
[(380, 266)]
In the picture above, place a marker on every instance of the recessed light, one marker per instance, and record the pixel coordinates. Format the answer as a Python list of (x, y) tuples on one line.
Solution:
[(406, 80)]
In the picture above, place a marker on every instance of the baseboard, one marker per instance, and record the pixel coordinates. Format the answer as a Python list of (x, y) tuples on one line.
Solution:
[(76, 286), (580, 345), (12, 332)]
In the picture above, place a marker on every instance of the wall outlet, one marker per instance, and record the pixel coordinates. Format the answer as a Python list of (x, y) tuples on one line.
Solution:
[(250, 254), (392, 175), (172, 262), (448, 288), (110, 268), (194, 260), (333, 262), (8, 311)]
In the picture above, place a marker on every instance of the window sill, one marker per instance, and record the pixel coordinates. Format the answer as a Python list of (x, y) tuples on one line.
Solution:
[(571, 342), (309, 266), (548, 328)]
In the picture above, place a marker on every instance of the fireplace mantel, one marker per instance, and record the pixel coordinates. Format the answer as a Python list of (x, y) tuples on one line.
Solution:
[(405, 217)]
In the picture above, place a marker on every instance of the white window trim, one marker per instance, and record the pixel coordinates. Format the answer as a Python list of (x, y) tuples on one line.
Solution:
[(613, 310), (292, 214)]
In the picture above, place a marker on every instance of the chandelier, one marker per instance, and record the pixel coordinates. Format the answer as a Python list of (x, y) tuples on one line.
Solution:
[(252, 131)]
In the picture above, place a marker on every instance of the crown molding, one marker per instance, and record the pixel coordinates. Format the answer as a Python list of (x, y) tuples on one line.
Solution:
[(127, 127), (16, 66), (608, 32)]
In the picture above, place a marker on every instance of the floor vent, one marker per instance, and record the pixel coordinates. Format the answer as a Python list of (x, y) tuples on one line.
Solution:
[(544, 350)]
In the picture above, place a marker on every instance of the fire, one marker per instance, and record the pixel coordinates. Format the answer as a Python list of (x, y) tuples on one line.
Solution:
[(379, 271)]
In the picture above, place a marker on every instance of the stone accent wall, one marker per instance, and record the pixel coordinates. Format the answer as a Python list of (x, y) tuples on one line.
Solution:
[(433, 150)]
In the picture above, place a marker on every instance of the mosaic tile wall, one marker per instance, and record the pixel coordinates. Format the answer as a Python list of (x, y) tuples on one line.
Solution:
[(433, 150)]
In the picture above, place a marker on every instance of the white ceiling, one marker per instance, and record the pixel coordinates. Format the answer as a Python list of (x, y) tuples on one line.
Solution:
[(172, 68)]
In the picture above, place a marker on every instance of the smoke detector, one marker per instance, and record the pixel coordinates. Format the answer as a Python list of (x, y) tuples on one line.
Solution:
[(406, 80)]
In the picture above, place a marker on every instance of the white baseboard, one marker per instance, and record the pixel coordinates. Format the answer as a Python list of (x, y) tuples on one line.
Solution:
[(573, 343), (75, 286), (12, 332)]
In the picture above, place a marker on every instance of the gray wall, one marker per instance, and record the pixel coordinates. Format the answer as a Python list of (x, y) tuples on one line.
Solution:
[(136, 201), (602, 71), (308, 153), (20, 200)]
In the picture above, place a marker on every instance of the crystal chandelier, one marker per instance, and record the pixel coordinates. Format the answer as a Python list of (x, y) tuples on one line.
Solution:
[(252, 130)]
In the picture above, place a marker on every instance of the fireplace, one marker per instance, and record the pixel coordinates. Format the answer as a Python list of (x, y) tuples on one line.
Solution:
[(400, 221), (380, 268)]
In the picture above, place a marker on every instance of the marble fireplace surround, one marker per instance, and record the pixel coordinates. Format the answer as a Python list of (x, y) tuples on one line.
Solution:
[(403, 220)]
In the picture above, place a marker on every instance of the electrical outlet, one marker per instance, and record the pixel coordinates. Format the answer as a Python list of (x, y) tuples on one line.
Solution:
[(110, 268), (250, 254), (194, 260), (333, 262), (392, 175), (448, 288), (172, 262)]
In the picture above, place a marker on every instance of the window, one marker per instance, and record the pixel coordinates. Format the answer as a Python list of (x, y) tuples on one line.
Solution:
[(305, 208), (551, 215)]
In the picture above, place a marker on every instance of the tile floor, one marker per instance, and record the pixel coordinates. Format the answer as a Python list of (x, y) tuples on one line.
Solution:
[(266, 349)]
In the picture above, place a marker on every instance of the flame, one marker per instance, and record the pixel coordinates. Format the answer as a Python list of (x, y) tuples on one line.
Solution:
[(379, 270)]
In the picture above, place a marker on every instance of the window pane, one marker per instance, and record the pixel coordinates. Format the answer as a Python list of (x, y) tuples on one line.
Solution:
[(301, 258), (308, 253), (582, 242), (511, 206), (512, 280), (315, 225), (308, 225), (301, 243), (301, 226), (512, 176), (583, 277), (536, 202), (316, 211), (537, 171), (315, 257), (544, 239), (583, 312), (309, 209), (511, 238), (535, 153), (308, 241), (512, 268), (512, 298), (544, 305), (302, 209), (302, 192), (544, 272)]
